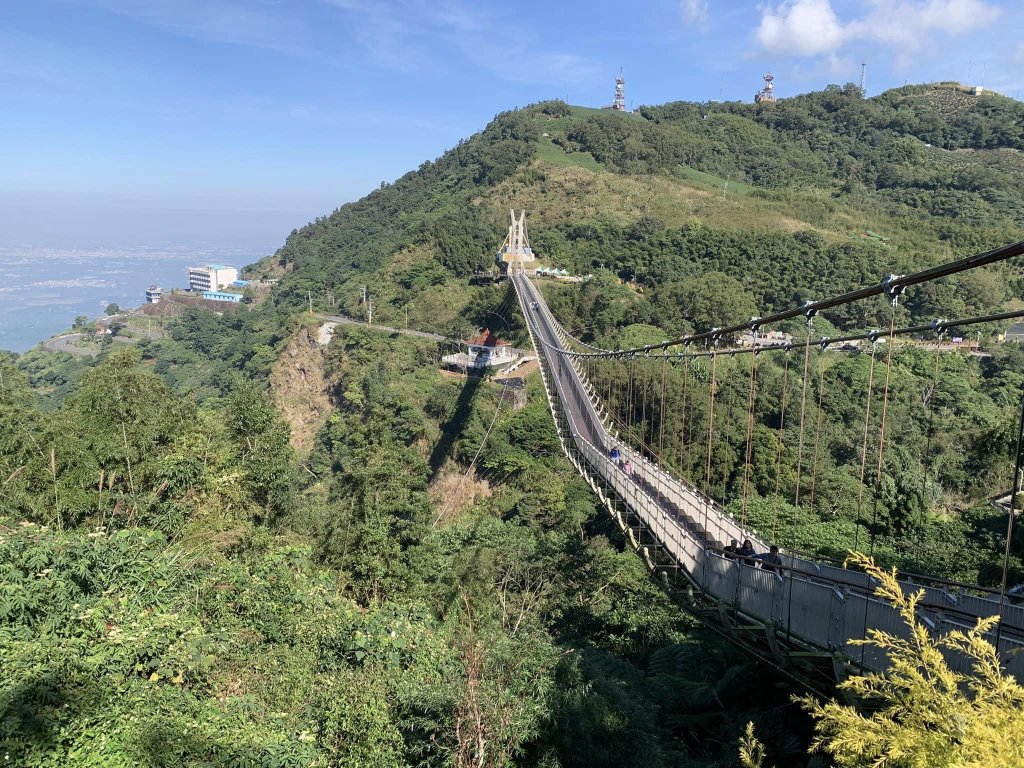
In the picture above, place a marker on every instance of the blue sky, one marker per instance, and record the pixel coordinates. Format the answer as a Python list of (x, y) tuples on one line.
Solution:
[(219, 121)]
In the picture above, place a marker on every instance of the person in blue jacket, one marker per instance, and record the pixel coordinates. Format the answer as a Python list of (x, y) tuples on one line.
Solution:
[(771, 560), (614, 454)]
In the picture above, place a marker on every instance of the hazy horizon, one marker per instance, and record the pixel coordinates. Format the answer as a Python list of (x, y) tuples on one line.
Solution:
[(118, 222)]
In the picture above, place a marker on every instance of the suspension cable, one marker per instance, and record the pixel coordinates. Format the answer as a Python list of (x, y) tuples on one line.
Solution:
[(711, 423), (643, 412), (782, 438), (932, 327), (803, 411), (750, 435), (661, 412), (881, 427), (864, 447), (817, 426), (929, 404), (881, 455), (629, 396), (892, 283), (1014, 490), (683, 447)]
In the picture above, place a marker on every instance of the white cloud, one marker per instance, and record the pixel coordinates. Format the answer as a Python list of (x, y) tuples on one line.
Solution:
[(813, 28), (695, 11), (911, 21), (801, 27)]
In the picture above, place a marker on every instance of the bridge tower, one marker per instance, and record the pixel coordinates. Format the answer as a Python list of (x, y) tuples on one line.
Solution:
[(515, 251)]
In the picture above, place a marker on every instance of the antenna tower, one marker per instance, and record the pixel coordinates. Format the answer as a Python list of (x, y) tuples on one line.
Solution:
[(768, 92), (620, 93), (863, 71)]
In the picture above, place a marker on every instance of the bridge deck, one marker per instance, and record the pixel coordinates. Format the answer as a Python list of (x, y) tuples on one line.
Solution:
[(810, 606)]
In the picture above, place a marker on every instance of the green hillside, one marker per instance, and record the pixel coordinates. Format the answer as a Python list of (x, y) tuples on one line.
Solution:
[(796, 182), (235, 546)]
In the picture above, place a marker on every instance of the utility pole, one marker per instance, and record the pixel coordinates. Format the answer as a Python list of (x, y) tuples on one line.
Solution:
[(364, 294), (309, 298), (369, 313), (407, 318)]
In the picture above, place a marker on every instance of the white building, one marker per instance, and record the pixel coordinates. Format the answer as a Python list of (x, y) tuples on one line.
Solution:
[(153, 294), (483, 351), (212, 277)]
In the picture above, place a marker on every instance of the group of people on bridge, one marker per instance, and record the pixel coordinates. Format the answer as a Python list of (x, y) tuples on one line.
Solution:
[(769, 561)]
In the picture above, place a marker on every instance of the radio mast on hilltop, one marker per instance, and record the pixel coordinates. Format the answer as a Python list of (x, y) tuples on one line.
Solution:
[(768, 92), (620, 93)]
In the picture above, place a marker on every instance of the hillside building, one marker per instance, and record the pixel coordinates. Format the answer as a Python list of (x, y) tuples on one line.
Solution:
[(153, 294), (212, 277), (483, 351), (234, 298)]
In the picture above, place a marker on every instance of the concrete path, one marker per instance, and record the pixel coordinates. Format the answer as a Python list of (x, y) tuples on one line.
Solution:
[(326, 331), (66, 343)]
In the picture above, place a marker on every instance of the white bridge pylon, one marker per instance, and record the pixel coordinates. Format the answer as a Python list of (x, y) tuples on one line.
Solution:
[(516, 251)]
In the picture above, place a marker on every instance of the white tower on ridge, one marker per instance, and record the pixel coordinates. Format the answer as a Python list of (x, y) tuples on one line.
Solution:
[(619, 104), (768, 92), (516, 248)]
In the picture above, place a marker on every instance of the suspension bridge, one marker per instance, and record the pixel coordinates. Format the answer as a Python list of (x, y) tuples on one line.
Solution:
[(805, 615)]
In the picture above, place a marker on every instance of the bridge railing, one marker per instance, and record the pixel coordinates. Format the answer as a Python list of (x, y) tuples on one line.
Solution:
[(720, 526)]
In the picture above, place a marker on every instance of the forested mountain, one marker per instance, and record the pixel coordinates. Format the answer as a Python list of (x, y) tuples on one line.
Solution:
[(233, 547)]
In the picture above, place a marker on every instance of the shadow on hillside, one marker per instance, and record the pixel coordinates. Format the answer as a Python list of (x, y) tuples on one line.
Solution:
[(164, 745), (453, 427), (31, 709)]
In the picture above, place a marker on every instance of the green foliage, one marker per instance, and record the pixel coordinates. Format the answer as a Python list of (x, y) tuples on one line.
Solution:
[(924, 712), (265, 454)]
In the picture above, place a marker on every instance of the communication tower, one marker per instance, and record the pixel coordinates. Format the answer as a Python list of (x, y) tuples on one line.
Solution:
[(863, 72), (620, 93), (768, 92)]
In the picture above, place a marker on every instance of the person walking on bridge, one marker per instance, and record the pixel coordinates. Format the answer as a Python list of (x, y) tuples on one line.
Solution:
[(771, 560), (747, 552), (614, 455)]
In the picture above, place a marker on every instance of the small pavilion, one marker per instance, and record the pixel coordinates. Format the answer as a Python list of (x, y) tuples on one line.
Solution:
[(483, 351)]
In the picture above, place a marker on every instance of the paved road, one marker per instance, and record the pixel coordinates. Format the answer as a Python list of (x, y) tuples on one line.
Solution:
[(342, 320), (66, 343)]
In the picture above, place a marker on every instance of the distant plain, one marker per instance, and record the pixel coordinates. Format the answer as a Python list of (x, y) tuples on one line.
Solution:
[(42, 290)]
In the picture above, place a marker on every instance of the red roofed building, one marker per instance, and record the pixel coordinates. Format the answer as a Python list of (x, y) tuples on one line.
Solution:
[(483, 350)]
